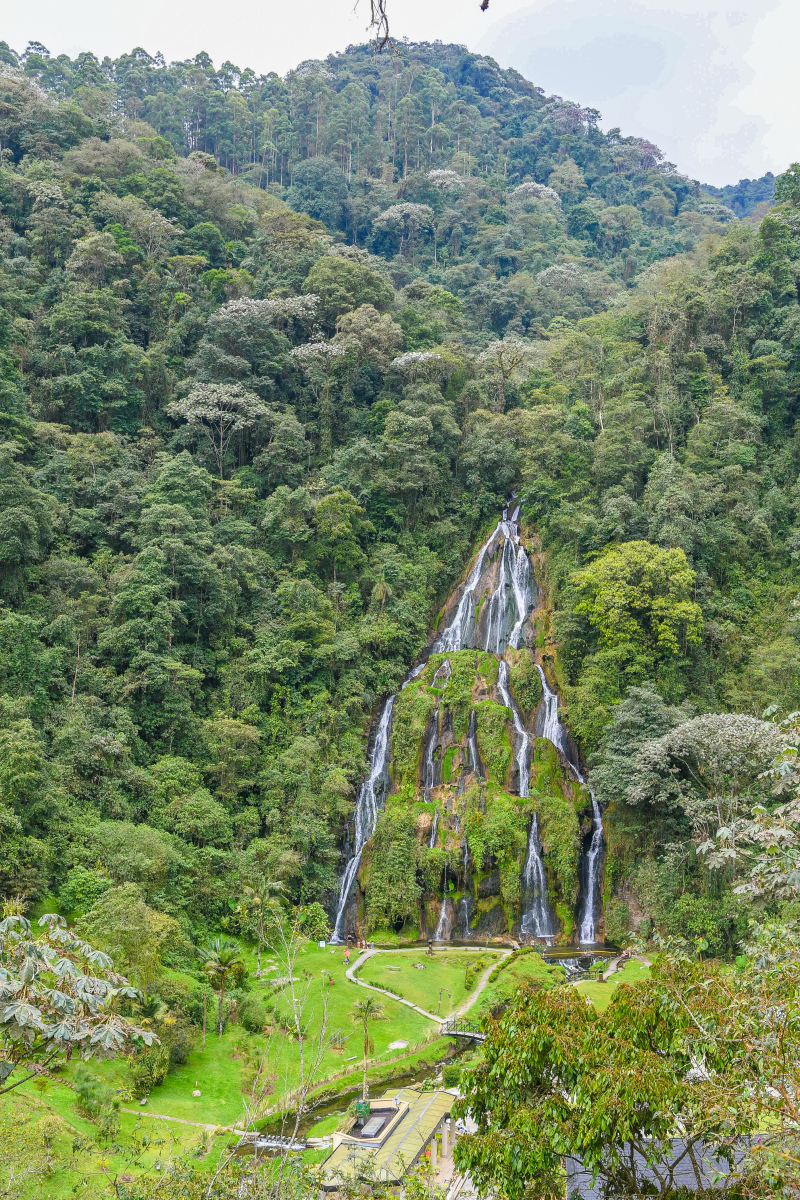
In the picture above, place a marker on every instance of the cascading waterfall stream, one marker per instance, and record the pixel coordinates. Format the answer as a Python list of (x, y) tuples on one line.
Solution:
[(458, 632), (429, 763), (434, 829), (442, 931), (537, 918), (492, 626), (472, 741), (592, 860), (523, 738), (513, 573), (366, 814), (592, 879)]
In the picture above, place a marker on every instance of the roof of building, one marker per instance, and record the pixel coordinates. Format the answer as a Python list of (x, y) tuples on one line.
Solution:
[(678, 1168), (391, 1158)]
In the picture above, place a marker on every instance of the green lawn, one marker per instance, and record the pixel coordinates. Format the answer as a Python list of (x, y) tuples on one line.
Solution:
[(600, 993), (222, 1073), (75, 1159), (446, 970), (525, 969)]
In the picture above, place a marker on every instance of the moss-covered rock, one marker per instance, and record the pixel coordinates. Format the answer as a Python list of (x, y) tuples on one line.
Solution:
[(495, 825), (457, 694), (526, 685), (546, 771), (494, 743), (561, 842), (413, 709), (391, 884)]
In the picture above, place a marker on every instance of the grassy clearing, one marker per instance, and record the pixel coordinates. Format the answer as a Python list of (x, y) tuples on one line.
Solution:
[(73, 1162), (528, 969), (446, 969), (600, 993), (223, 1074)]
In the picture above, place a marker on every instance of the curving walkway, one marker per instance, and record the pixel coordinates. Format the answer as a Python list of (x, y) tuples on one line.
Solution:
[(457, 1012)]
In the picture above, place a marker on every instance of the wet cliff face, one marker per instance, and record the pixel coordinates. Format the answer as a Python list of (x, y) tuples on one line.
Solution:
[(479, 823), (455, 780)]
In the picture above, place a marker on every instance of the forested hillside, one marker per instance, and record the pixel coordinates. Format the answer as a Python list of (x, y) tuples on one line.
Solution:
[(274, 351)]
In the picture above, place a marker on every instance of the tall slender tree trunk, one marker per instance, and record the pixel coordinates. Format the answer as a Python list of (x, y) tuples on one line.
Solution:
[(205, 1008), (366, 1051)]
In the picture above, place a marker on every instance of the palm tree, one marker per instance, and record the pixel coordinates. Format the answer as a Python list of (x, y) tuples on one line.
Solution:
[(362, 1012), (252, 909), (222, 959)]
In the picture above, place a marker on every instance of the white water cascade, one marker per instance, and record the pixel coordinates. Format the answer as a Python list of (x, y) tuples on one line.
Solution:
[(366, 814), (592, 860), (472, 741), (434, 829), (592, 879), (428, 761), (514, 576), (537, 919), (523, 738), (442, 931), (459, 632)]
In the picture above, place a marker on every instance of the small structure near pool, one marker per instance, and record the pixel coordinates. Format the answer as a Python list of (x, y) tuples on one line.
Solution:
[(385, 1142)]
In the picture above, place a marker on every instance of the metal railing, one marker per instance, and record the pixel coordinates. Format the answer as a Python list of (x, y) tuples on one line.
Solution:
[(458, 1027)]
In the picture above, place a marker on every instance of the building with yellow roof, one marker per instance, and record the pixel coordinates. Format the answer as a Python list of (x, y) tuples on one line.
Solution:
[(400, 1128)]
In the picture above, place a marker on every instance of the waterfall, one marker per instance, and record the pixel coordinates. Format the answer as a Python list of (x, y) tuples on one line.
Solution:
[(503, 626), (523, 739), (474, 757), (434, 829), (515, 574), (497, 607), (521, 584), (442, 933), (592, 879), (428, 761), (592, 860), (366, 814), (506, 610), (537, 919), (459, 632), (553, 729), (465, 906)]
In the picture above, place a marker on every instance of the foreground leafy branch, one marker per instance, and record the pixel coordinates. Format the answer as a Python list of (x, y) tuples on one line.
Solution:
[(59, 996)]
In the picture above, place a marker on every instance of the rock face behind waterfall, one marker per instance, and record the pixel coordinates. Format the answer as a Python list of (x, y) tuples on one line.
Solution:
[(477, 831)]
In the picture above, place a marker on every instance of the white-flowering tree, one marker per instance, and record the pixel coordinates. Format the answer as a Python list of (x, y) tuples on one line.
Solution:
[(506, 359), (530, 193), (418, 364), (318, 361), (407, 222), (248, 319), (771, 839), (218, 411), (712, 768), (58, 997)]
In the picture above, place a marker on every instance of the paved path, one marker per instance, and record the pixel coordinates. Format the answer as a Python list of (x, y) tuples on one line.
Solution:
[(458, 1012), (157, 1116)]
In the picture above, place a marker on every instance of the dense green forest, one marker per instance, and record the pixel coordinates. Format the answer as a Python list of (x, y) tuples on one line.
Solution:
[(274, 351), (274, 354)]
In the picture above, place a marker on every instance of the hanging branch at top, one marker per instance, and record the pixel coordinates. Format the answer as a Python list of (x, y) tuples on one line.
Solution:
[(379, 21)]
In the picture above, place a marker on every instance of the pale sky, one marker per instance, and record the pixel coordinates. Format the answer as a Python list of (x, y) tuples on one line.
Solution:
[(713, 82)]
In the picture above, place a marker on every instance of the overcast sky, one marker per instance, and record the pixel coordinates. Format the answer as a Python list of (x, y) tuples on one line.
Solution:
[(714, 82)]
